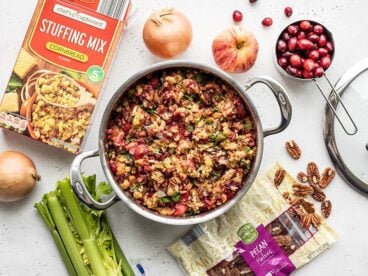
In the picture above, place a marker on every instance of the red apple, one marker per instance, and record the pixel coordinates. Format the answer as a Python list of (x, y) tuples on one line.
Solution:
[(235, 50)]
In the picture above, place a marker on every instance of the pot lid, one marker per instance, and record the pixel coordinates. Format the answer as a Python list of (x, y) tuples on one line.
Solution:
[(349, 153)]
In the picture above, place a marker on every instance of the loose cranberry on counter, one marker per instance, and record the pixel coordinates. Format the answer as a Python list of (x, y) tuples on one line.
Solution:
[(292, 44), (295, 61), (309, 65), (252, 1), (267, 21), (318, 29), (281, 46), (305, 44), (288, 11), (283, 62), (319, 72), (237, 16), (325, 62), (293, 29)]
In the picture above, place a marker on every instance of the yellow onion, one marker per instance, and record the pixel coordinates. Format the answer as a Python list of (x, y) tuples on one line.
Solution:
[(18, 175), (167, 33)]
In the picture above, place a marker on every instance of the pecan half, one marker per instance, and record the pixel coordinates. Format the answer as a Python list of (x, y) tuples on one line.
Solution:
[(302, 177), (293, 149), (318, 194), (326, 207), (316, 220), (327, 176), (308, 206), (296, 211), (313, 173), (286, 195), (279, 177), (311, 219), (302, 189)]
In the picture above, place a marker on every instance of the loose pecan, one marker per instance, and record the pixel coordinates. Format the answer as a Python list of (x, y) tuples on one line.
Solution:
[(279, 177), (306, 220), (302, 189), (313, 173), (327, 176), (316, 220), (326, 207), (286, 195), (308, 206), (293, 149), (318, 194), (302, 177), (296, 211)]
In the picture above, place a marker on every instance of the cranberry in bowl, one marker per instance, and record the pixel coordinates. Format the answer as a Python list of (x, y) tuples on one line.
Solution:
[(304, 49)]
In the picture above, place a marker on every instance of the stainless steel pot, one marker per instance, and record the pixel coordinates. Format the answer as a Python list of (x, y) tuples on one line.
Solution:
[(75, 171)]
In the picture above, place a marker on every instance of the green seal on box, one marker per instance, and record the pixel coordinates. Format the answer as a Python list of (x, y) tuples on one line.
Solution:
[(248, 233), (95, 74)]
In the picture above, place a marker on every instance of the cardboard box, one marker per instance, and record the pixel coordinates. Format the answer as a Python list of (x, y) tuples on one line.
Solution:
[(61, 69)]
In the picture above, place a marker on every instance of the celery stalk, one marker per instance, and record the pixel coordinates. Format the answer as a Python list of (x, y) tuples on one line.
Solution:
[(47, 218), (125, 266), (66, 234), (80, 223)]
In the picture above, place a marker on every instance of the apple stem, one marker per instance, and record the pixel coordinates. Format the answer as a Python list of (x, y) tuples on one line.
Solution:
[(240, 44)]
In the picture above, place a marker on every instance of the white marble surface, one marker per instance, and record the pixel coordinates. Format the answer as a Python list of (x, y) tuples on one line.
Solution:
[(26, 247)]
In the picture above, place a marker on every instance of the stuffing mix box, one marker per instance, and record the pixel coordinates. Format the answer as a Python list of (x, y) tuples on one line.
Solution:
[(61, 68)]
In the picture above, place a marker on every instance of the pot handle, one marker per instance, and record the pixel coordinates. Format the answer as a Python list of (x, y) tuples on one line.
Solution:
[(282, 99), (80, 189)]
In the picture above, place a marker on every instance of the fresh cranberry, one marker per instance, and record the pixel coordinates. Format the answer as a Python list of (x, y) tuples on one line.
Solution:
[(267, 21), (313, 37), (295, 61), (252, 1), (292, 44), (288, 11), (285, 36), (283, 62), (325, 62), (322, 52), (299, 73), (301, 35), (305, 25), (293, 29), (291, 70), (329, 46), (305, 44), (313, 55), (237, 16), (319, 72), (318, 29), (307, 74), (281, 46), (309, 65), (322, 40), (287, 55)]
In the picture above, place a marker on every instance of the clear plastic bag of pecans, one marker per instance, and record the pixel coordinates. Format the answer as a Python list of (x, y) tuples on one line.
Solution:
[(273, 230)]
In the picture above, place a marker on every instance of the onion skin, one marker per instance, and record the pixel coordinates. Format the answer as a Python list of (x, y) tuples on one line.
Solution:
[(167, 33), (18, 176), (235, 50)]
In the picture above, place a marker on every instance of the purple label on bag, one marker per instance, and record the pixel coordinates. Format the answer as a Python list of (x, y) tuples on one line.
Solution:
[(262, 253)]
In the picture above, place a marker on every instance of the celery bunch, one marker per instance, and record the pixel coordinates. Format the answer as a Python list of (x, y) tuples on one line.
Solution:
[(83, 236)]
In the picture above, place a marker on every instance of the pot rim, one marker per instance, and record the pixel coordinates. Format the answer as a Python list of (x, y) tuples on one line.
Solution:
[(145, 212)]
